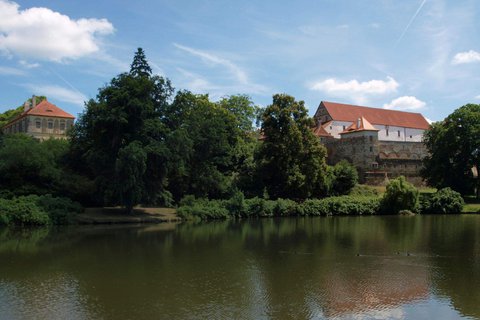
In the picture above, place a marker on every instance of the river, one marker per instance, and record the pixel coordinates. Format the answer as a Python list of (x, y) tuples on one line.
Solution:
[(421, 267)]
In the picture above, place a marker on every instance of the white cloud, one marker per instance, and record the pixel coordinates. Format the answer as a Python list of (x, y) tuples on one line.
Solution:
[(11, 71), (239, 74), (29, 65), (466, 57), (59, 93), (354, 88), (405, 103), (44, 34)]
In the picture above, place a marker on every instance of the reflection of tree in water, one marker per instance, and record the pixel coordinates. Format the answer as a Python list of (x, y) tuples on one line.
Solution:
[(279, 268), (456, 241)]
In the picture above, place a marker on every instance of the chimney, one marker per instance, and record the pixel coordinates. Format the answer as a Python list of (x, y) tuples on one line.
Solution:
[(26, 106), (358, 123), (34, 101)]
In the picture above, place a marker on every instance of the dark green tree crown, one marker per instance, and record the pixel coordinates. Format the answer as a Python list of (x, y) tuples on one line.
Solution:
[(139, 66)]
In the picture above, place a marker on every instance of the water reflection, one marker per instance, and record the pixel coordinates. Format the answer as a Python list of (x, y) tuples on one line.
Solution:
[(366, 267)]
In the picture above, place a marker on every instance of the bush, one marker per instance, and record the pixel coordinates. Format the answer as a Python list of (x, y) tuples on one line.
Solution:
[(287, 207), (345, 177), (22, 211), (343, 205), (38, 210), (60, 210), (204, 209), (443, 201), (259, 207), (400, 195), (363, 190)]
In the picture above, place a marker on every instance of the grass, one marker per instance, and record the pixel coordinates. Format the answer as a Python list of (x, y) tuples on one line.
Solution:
[(471, 204)]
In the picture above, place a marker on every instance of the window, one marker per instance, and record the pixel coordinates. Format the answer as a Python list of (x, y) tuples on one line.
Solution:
[(371, 149), (343, 128), (399, 133), (330, 127), (387, 131), (38, 123), (62, 125), (370, 138), (50, 124), (410, 136)]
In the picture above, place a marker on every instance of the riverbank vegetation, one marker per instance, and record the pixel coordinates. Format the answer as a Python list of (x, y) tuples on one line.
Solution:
[(142, 142)]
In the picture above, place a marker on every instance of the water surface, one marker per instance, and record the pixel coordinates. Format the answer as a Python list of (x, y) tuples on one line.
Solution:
[(425, 267)]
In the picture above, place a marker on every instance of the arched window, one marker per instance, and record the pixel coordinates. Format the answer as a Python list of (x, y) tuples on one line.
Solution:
[(38, 123), (62, 125), (50, 124)]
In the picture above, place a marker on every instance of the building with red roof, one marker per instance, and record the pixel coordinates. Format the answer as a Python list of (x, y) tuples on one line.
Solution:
[(42, 121), (379, 142)]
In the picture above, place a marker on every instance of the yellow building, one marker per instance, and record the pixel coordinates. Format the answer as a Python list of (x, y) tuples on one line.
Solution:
[(42, 121)]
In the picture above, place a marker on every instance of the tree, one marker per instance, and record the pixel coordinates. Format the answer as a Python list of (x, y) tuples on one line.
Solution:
[(203, 140), (453, 150), (130, 169), (345, 177), (126, 116), (400, 195), (291, 159), (140, 66)]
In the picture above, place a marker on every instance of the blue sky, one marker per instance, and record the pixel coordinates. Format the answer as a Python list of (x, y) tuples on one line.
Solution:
[(411, 55)]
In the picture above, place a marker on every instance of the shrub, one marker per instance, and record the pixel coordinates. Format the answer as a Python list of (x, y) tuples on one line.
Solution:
[(443, 201), (343, 205), (203, 209), (259, 207), (236, 204), (400, 195), (363, 190), (287, 207), (22, 211), (345, 177), (60, 210)]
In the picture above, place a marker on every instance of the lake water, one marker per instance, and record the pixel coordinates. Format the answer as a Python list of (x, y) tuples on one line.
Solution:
[(424, 267)]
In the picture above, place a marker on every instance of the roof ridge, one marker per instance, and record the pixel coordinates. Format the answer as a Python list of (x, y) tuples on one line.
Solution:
[(376, 108)]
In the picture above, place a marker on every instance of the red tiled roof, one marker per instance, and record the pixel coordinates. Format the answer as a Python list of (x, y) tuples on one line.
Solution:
[(320, 131), (364, 125), (48, 109), (348, 112)]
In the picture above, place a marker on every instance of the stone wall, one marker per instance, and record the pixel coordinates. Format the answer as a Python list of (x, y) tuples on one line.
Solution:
[(376, 160)]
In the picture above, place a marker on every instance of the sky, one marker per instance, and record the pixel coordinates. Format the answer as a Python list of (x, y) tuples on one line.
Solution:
[(410, 55)]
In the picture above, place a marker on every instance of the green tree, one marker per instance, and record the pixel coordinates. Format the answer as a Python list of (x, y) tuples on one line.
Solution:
[(345, 177), (203, 140), (130, 169), (453, 150), (400, 195), (29, 166), (291, 160), (140, 66), (125, 116)]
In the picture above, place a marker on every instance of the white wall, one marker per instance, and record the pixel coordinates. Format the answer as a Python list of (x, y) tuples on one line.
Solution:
[(399, 133), (335, 127)]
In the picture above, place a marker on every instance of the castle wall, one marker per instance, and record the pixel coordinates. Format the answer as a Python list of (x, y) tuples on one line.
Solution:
[(376, 159)]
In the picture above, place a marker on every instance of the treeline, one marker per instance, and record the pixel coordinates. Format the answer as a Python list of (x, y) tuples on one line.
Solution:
[(142, 142)]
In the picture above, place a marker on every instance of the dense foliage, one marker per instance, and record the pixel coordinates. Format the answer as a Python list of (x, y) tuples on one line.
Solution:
[(443, 201), (291, 159), (453, 150), (38, 210), (140, 142), (237, 206), (400, 195)]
